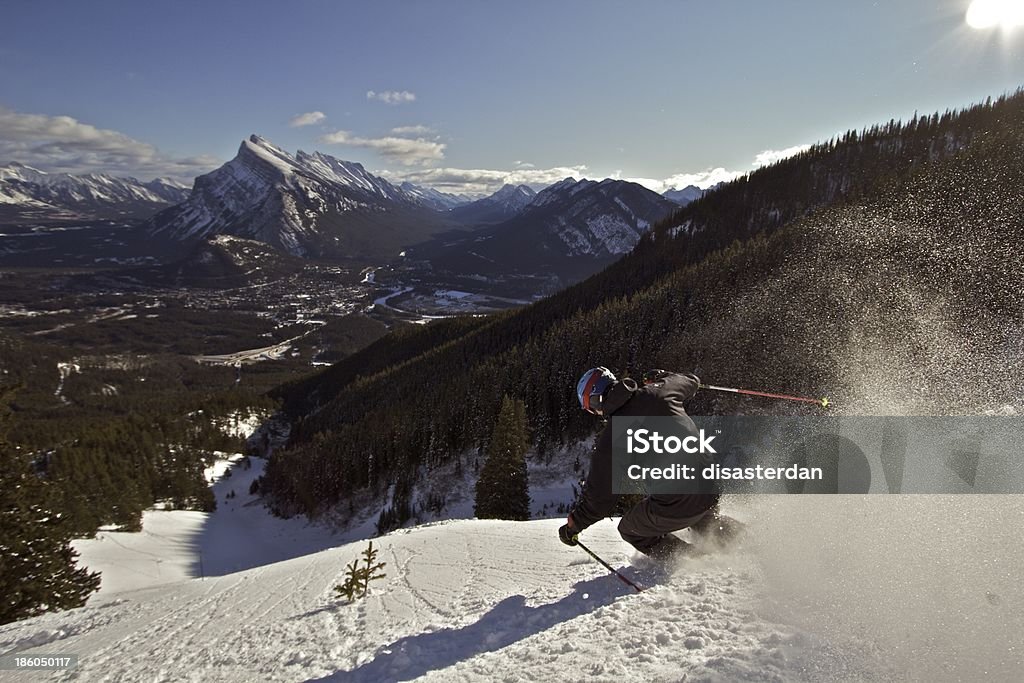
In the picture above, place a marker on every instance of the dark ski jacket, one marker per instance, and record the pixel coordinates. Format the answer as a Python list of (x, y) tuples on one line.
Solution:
[(662, 396)]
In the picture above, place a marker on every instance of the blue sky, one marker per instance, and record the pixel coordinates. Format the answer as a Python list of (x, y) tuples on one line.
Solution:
[(469, 94)]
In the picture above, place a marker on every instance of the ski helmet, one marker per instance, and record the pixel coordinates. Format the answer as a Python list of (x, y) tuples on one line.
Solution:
[(591, 388)]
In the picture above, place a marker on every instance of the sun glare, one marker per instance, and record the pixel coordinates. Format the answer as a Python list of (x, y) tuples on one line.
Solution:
[(1005, 14)]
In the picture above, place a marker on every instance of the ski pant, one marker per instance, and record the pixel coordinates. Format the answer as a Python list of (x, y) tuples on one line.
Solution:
[(649, 520)]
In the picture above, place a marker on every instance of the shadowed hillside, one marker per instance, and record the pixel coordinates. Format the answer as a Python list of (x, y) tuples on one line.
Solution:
[(880, 269)]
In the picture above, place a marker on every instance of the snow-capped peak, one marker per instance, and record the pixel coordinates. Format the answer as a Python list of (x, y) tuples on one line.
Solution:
[(263, 151), (502, 205), (685, 195), (19, 170), (513, 196), (305, 204)]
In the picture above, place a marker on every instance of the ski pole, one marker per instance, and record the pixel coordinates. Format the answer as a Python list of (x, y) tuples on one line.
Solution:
[(609, 567), (823, 402)]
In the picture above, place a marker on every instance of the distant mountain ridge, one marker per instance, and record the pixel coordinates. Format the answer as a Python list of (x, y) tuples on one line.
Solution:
[(504, 204), (434, 199), (314, 205), (596, 218), (683, 196), (311, 205), (571, 228), (90, 195)]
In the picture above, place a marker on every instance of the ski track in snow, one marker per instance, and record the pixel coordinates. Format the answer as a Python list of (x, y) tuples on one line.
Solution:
[(815, 595), (462, 601)]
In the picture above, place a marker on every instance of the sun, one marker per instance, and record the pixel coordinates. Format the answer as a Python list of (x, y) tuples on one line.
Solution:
[(1005, 14)]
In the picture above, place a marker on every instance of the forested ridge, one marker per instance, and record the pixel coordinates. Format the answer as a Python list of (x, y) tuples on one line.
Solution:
[(105, 412), (120, 432), (880, 268)]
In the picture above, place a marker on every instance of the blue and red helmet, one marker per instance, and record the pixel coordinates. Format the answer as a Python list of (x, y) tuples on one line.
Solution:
[(591, 388)]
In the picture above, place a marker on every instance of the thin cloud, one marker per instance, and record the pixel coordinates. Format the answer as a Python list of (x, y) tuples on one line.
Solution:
[(310, 118), (771, 156), (486, 181), (65, 145), (713, 176), (391, 96), (406, 151), (412, 130), (702, 179)]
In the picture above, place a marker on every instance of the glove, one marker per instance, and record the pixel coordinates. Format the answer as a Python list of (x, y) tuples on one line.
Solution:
[(653, 376), (567, 532)]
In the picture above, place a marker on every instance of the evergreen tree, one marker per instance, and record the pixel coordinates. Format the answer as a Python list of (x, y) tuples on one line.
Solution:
[(357, 581), (502, 491), (37, 564)]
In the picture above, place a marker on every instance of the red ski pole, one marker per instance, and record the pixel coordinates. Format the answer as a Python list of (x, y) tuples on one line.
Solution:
[(823, 402)]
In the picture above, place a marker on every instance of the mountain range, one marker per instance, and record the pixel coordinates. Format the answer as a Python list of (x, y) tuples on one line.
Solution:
[(95, 195), (570, 229), (313, 205)]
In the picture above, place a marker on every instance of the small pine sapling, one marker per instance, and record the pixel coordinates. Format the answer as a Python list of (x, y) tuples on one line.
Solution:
[(350, 589), (357, 579)]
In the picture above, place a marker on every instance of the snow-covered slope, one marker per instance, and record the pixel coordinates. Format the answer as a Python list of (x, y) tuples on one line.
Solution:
[(178, 545), (350, 174), (91, 194), (306, 204), (828, 588)]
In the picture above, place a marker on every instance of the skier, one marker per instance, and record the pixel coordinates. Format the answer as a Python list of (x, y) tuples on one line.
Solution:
[(648, 526)]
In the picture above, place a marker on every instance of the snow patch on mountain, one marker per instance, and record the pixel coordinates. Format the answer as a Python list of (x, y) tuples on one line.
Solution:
[(348, 173), (599, 218), (615, 236)]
